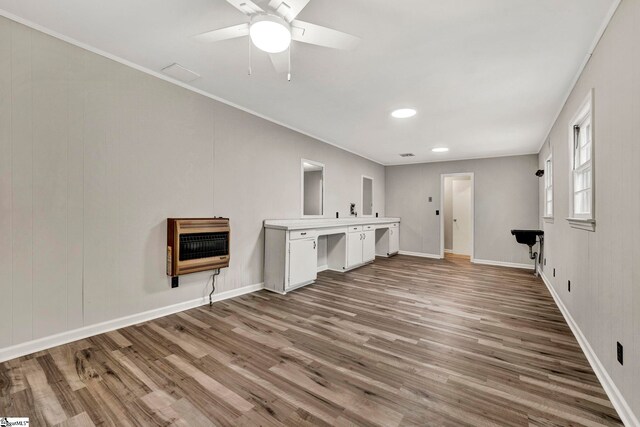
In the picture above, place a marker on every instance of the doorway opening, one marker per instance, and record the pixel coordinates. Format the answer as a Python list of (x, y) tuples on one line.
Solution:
[(457, 216)]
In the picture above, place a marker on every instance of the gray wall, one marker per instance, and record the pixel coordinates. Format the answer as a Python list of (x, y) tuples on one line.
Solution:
[(506, 197), (604, 266), (94, 156)]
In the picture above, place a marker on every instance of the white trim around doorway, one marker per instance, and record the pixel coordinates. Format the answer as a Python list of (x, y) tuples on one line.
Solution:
[(473, 216)]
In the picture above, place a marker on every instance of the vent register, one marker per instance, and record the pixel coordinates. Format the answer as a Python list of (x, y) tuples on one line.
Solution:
[(203, 245)]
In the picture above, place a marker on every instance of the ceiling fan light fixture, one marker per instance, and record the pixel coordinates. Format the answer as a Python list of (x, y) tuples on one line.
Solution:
[(270, 33), (403, 113)]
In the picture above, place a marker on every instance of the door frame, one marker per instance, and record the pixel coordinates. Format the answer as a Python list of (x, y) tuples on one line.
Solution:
[(473, 216)]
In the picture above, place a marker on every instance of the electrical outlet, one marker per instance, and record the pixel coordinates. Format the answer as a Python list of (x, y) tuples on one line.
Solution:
[(620, 352), (430, 199), (437, 212), (569, 285), (554, 272), (175, 281)]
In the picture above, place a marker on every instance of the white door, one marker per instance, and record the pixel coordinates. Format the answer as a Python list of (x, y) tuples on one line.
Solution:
[(354, 249), (394, 240), (368, 245), (461, 210), (303, 262)]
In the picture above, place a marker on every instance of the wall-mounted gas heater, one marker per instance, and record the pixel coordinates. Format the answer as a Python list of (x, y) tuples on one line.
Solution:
[(196, 244)]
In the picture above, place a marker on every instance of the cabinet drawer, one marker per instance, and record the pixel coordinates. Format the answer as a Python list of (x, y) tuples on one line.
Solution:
[(302, 234), (355, 228), (368, 227)]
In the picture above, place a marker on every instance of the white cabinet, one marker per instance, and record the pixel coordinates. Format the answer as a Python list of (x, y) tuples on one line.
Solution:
[(394, 240), (354, 249), (292, 254), (361, 247), (368, 246), (303, 262)]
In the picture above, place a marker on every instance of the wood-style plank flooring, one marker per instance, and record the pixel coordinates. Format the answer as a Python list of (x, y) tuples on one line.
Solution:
[(403, 341)]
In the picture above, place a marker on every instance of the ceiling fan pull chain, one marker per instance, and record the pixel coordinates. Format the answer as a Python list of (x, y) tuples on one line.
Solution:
[(289, 73), (249, 56)]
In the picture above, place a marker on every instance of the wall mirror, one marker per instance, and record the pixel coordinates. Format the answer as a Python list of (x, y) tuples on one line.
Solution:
[(367, 196), (312, 188)]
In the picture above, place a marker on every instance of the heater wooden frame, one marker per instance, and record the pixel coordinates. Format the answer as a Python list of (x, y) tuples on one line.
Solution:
[(178, 226)]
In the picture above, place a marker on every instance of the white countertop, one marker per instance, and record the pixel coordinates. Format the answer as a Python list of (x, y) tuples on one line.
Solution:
[(302, 224)]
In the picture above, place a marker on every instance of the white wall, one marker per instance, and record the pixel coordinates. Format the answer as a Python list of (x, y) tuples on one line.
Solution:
[(604, 266), (506, 197), (94, 156)]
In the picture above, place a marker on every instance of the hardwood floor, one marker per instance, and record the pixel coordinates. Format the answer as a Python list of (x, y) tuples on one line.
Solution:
[(457, 257), (403, 341)]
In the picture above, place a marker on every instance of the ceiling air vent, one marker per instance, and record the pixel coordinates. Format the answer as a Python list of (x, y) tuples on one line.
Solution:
[(407, 155), (178, 72)]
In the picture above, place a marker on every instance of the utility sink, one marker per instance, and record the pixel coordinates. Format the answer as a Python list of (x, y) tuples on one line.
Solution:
[(530, 238), (527, 237)]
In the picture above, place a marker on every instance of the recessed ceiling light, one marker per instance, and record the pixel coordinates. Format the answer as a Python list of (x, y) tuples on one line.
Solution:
[(403, 113), (270, 33), (440, 150)]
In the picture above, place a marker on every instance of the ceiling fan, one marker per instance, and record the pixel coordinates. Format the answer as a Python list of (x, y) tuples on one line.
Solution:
[(272, 27)]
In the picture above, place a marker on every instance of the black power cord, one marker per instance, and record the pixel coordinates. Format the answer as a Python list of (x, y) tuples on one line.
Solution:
[(213, 286)]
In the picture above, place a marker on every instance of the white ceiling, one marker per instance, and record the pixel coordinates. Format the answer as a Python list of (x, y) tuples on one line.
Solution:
[(486, 76)]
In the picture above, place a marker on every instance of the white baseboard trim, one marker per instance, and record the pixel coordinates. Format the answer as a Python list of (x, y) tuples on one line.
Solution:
[(322, 268), (502, 264), (618, 401), (420, 254), (44, 343), (448, 251)]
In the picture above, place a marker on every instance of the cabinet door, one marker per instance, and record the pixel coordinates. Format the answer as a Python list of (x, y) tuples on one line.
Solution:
[(354, 249), (394, 240), (369, 246), (303, 262)]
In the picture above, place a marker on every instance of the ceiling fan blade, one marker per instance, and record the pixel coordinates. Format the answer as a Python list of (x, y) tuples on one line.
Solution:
[(280, 61), (288, 9), (224, 33), (246, 6), (322, 36)]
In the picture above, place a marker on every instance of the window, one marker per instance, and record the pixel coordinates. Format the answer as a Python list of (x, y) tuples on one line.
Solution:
[(548, 188), (581, 139)]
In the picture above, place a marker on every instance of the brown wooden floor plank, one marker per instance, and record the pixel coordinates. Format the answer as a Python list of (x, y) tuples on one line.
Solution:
[(404, 341)]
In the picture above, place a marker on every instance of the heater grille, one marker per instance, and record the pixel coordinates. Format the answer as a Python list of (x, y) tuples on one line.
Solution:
[(203, 245)]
